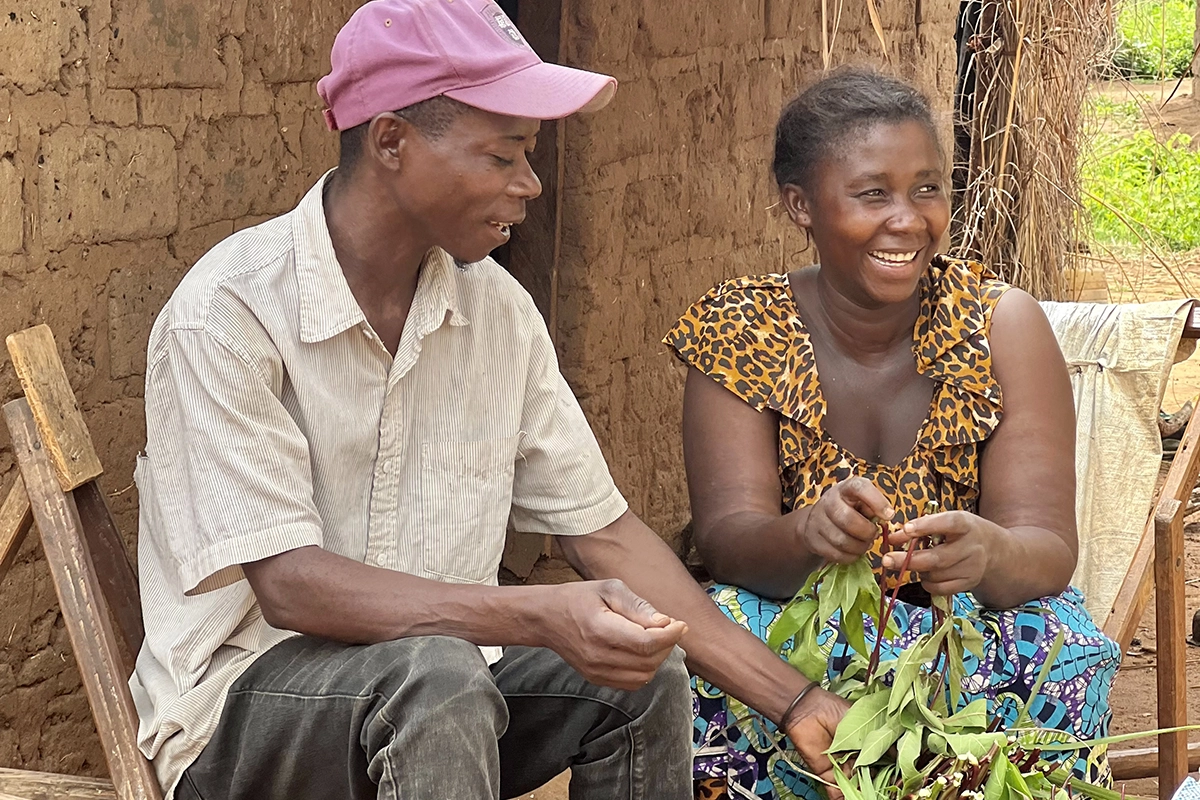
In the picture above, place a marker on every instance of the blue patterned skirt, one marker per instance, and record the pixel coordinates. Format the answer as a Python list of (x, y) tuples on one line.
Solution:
[(1074, 697)]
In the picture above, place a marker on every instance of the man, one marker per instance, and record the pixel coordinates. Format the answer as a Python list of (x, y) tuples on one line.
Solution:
[(344, 407)]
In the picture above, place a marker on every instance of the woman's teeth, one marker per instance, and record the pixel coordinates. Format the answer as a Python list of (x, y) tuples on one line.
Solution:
[(893, 258)]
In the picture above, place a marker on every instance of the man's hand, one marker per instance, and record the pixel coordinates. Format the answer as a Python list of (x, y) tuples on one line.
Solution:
[(608, 634), (957, 561), (811, 727), (838, 527)]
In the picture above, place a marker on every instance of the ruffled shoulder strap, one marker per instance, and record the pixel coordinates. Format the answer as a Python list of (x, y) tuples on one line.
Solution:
[(952, 347), (746, 335)]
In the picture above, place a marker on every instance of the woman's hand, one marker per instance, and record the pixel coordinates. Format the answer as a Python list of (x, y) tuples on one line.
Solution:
[(838, 527), (957, 554)]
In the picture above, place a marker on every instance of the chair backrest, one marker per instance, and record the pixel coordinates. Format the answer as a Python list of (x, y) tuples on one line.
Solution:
[(91, 571)]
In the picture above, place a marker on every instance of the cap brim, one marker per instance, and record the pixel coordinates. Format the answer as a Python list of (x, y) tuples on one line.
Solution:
[(541, 91)]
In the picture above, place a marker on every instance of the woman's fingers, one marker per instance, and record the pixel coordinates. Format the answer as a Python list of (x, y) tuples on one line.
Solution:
[(850, 521), (866, 498)]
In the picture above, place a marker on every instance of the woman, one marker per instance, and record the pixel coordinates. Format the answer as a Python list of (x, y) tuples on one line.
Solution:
[(865, 387)]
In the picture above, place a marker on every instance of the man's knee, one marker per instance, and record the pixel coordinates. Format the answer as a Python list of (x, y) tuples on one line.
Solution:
[(443, 677), (669, 691)]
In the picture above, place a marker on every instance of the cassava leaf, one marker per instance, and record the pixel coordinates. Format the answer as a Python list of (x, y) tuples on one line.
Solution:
[(1115, 739), (866, 784), (828, 601), (878, 741), (796, 616), (975, 744), (809, 661), (848, 785), (884, 778), (907, 754), (972, 638), (955, 671), (997, 780), (853, 630), (1059, 777), (908, 668), (1016, 782), (972, 715), (932, 719), (863, 717)]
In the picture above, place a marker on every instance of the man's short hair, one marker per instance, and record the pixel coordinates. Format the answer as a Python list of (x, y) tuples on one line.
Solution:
[(432, 117)]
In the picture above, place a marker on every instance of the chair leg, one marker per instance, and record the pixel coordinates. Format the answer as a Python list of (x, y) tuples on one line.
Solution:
[(1170, 617)]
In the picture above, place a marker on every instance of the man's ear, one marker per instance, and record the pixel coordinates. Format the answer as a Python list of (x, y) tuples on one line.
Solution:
[(388, 139), (797, 204)]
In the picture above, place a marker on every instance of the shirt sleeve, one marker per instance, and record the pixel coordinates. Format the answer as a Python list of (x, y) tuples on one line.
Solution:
[(561, 484), (227, 478)]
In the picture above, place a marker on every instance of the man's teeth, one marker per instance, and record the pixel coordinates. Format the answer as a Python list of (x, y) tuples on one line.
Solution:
[(503, 227), (893, 258)]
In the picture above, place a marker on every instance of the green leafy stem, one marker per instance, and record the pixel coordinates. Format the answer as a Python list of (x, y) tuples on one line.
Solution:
[(904, 737)]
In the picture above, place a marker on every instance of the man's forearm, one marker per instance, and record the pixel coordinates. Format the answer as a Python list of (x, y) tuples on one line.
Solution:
[(720, 651), (319, 593)]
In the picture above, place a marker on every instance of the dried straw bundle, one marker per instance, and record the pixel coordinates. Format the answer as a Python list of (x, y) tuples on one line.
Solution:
[(1020, 210)]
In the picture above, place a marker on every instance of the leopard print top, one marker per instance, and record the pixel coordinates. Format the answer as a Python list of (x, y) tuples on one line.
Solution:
[(747, 335)]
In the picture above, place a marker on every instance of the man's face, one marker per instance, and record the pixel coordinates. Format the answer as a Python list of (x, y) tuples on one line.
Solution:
[(465, 188)]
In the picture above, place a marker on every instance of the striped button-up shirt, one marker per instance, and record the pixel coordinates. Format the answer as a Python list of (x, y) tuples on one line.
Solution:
[(276, 419)]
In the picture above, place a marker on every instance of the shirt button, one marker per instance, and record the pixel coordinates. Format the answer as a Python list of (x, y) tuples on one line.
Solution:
[(378, 560)]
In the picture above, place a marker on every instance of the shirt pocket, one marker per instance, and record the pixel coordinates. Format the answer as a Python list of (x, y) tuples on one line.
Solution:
[(466, 498)]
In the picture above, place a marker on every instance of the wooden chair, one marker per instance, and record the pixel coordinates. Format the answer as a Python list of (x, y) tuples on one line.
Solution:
[(92, 575), (1157, 568)]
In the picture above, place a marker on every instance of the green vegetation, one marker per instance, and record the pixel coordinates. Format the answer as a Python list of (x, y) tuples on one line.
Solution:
[(1154, 38), (1136, 188), (905, 736)]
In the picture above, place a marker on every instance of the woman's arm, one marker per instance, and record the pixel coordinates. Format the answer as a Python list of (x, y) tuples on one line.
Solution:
[(732, 456), (1023, 543)]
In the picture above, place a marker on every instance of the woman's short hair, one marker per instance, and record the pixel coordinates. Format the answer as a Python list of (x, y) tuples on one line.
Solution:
[(840, 105)]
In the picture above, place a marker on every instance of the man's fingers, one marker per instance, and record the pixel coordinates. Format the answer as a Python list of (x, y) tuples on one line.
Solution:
[(664, 639), (624, 638), (623, 601)]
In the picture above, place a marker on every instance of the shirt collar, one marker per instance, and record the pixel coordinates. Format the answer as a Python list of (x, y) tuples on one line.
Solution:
[(328, 307)]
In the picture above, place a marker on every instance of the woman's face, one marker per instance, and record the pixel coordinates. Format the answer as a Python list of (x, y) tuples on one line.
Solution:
[(877, 210)]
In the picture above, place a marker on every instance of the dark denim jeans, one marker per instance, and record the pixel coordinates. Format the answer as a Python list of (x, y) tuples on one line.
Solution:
[(427, 719)]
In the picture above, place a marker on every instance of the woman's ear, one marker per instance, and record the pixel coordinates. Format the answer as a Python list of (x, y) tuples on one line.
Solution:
[(796, 203)]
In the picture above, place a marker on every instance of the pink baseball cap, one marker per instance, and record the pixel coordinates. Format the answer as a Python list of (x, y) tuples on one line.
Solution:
[(394, 53)]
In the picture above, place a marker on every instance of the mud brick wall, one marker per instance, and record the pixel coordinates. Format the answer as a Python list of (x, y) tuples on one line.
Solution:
[(667, 191), (134, 134)]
